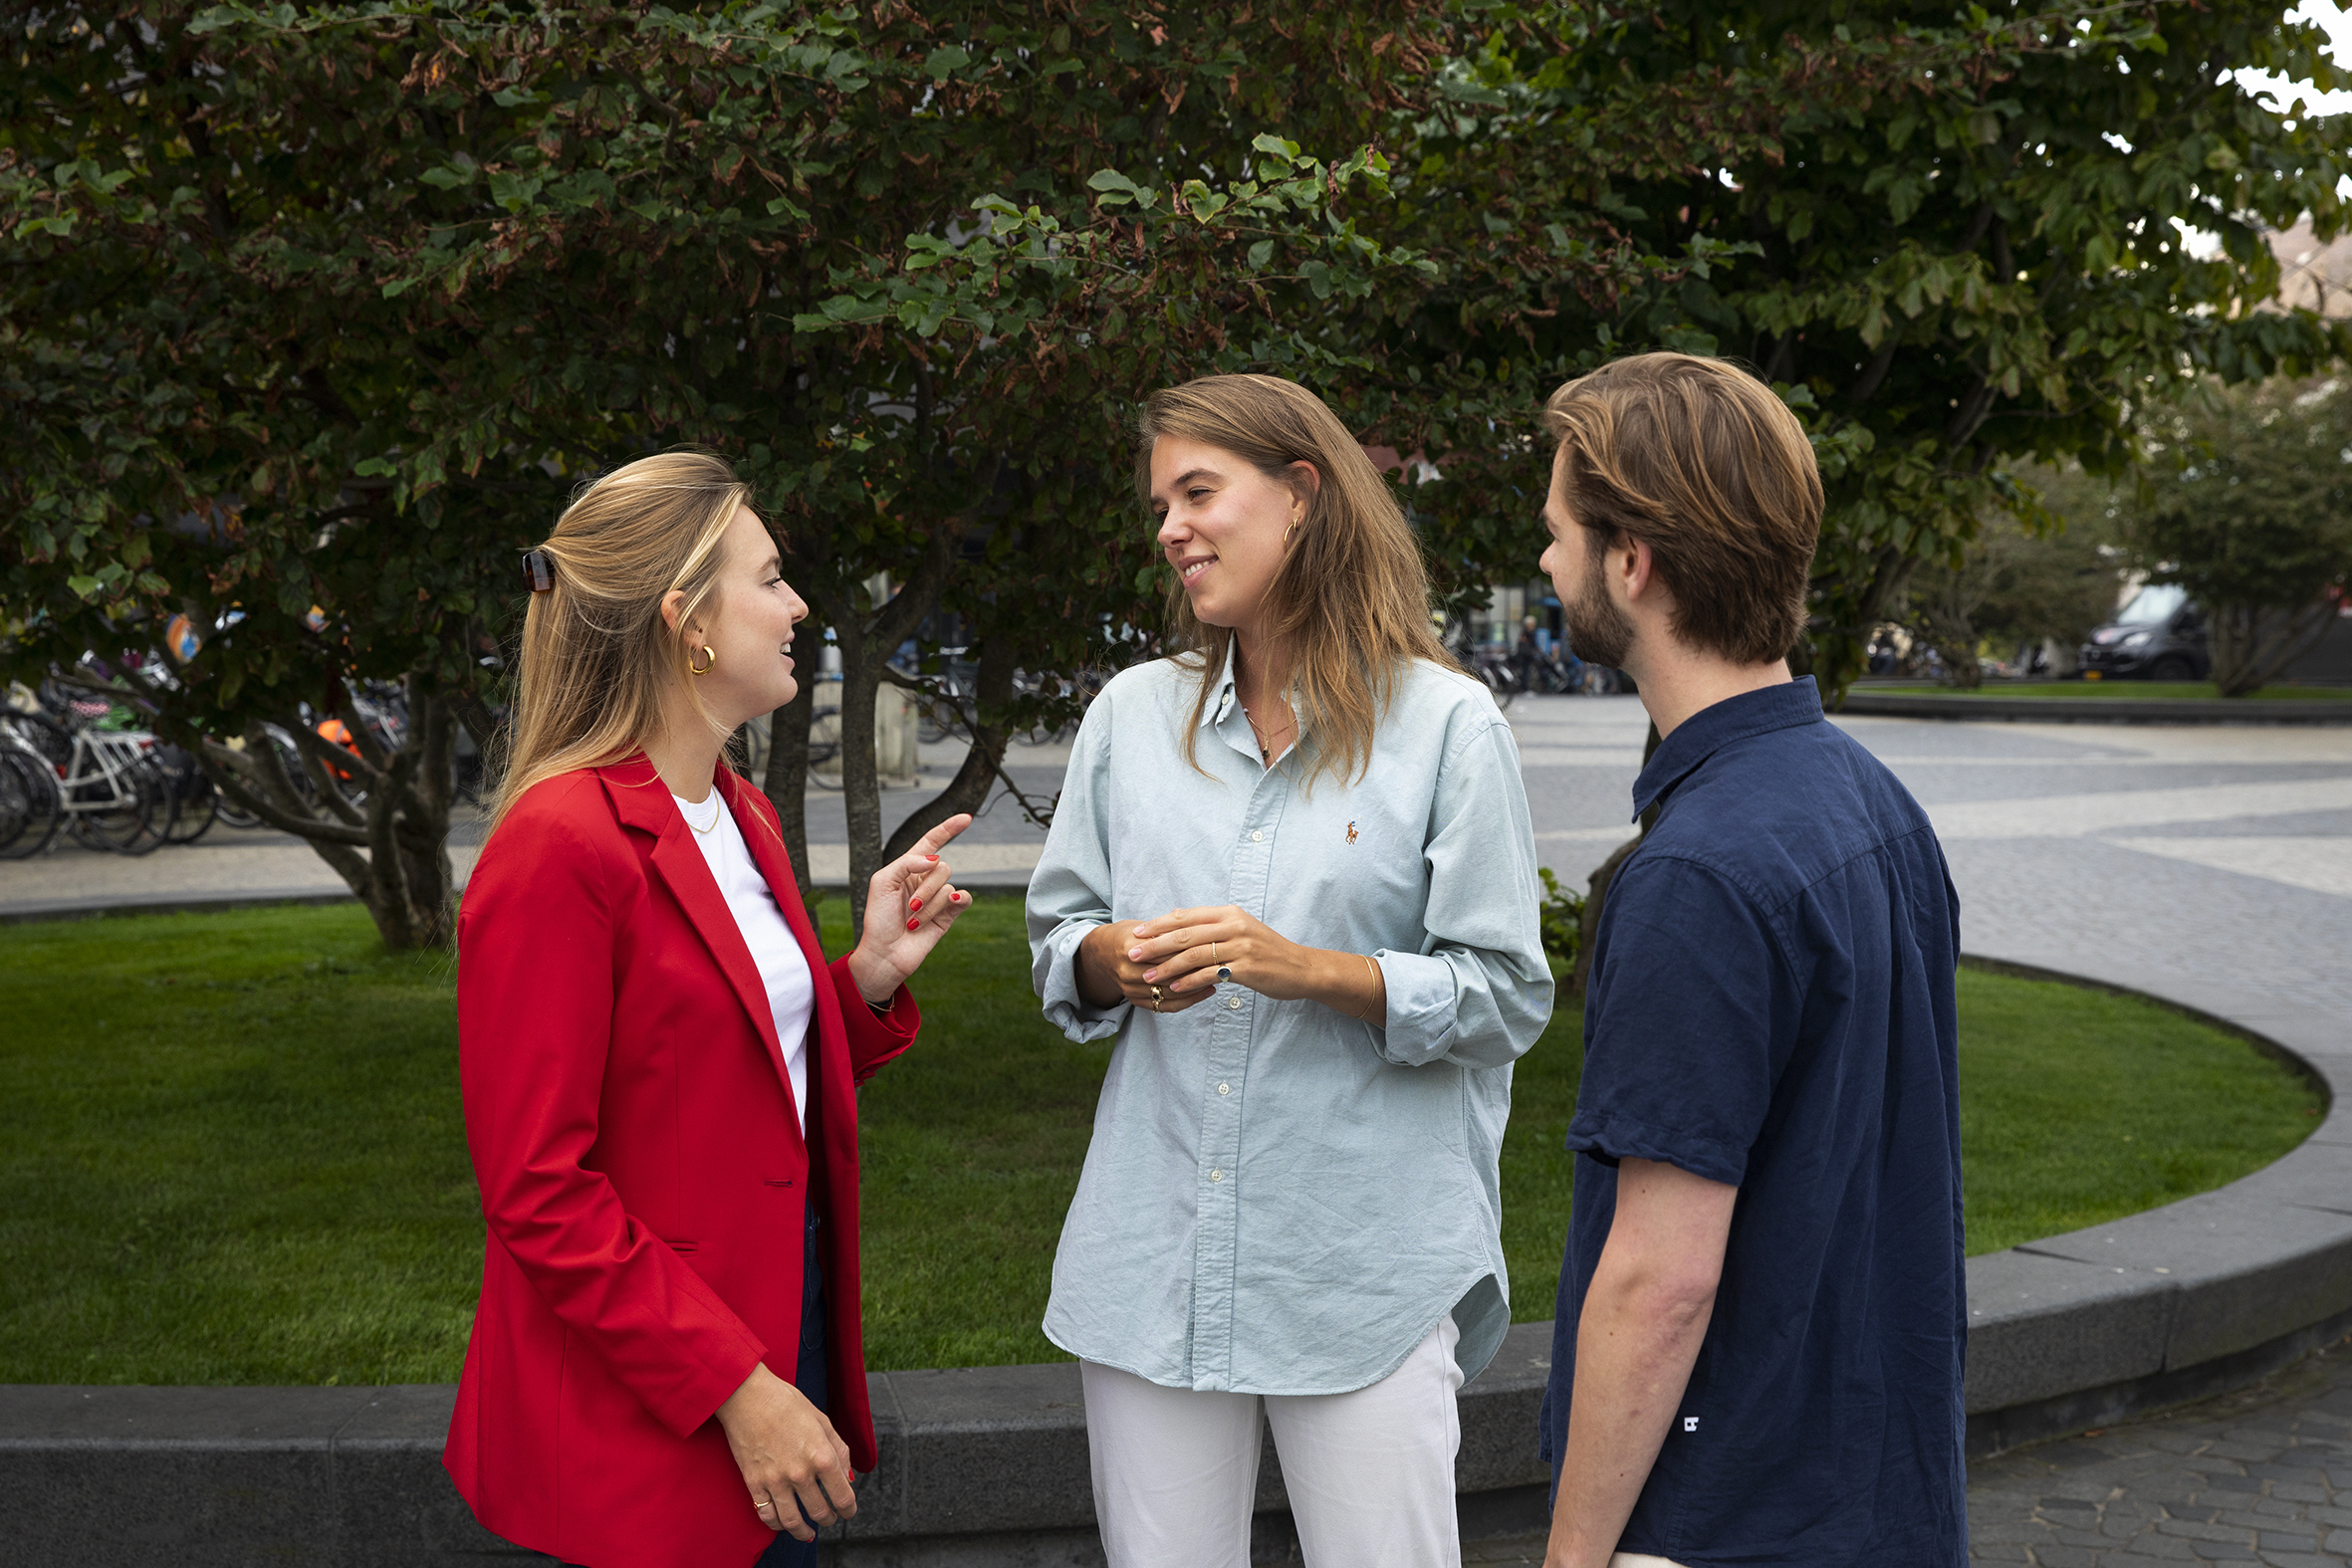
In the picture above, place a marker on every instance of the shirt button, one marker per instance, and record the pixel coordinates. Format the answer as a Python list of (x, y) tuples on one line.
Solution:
[(1215, 1176), (1232, 1003), (1257, 836), (1225, 1088)]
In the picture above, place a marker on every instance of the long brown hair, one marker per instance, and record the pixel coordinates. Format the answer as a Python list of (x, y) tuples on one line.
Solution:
[(1350, 603), (596, 655)]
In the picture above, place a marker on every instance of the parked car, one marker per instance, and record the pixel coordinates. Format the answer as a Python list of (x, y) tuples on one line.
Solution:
[(2159, 637)]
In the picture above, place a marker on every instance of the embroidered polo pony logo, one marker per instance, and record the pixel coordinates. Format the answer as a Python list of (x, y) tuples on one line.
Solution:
[(1351, 832)]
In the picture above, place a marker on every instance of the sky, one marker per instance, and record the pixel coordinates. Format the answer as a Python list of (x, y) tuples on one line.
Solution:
[(2339, 32)]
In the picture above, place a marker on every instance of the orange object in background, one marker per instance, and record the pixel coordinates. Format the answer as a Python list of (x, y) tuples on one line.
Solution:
[(180, 639), (337, 733)]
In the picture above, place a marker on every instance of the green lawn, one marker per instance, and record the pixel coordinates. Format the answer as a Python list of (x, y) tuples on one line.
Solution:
[(231, 1150), (2153, 691)]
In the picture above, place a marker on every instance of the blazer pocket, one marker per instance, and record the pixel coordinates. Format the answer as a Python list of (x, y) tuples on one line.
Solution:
[(682, 1248)]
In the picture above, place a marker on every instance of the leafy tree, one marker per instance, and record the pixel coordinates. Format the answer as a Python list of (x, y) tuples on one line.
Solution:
[(1955, 243), (2250, 508), (196, 425), (2020, 582), (356, 293)]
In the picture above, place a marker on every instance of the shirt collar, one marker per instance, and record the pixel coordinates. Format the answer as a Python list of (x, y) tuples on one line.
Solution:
[(1711, 728), (1220, 691), (1221, 703)]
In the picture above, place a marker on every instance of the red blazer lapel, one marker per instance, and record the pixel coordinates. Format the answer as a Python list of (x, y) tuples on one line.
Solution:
[(641, 801)]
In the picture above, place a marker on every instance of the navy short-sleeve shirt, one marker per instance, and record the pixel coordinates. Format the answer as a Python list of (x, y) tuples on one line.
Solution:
[(1771, 1006)]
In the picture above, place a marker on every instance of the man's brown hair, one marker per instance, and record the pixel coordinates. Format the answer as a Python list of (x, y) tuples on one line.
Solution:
[(1700, 461)]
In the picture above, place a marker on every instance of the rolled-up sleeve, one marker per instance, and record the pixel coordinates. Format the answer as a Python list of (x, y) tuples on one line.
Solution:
[(1070, 891), (1479, 992)]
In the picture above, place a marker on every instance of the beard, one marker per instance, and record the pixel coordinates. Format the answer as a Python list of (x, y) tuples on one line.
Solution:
[(1599, 631)]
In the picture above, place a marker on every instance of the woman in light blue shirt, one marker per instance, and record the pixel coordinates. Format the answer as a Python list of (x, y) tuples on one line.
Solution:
[(1291, 875)]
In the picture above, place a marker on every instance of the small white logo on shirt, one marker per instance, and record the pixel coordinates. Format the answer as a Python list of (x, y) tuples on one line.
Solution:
[(1690, 1424)]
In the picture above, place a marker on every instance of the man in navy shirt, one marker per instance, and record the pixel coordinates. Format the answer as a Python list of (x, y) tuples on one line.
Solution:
[(1756, 1359)]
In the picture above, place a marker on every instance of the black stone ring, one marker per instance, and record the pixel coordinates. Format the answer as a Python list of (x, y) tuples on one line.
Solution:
[(1225, 972)]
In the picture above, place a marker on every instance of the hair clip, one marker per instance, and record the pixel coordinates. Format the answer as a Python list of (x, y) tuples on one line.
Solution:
[(538, 572)]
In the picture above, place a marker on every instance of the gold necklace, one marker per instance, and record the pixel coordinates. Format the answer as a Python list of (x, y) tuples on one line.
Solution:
[(705, 831), (1265, 746)]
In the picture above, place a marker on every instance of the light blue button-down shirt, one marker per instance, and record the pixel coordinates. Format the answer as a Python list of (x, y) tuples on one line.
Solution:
[(1280, 1199)]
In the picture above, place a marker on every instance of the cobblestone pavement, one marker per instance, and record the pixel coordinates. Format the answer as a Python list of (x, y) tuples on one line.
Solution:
[(2259, 1478)]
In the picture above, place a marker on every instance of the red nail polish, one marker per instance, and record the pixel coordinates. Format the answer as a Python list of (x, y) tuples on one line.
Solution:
[(915, 907), (931, 858), (910, 925)]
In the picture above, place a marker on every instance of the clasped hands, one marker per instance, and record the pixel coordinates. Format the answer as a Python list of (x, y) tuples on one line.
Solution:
[(1176, 962)]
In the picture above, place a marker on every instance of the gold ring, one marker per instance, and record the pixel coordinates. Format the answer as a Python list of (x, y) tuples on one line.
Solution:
[(764, 1502), (1155, 993), (1213, 953)]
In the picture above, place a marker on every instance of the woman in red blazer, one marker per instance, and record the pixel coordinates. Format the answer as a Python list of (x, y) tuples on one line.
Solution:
[(665, 1368)]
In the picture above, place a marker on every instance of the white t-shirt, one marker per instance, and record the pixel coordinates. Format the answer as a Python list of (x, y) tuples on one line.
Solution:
[(783, 967)]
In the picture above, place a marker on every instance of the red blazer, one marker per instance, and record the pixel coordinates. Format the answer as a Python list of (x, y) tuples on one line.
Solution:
[(642, 1175)]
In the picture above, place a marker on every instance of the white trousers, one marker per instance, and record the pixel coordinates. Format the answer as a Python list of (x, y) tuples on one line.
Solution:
[(1370, 1473)]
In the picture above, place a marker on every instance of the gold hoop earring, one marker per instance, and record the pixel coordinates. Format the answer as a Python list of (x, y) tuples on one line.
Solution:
[(710, 661), (1286, 533)]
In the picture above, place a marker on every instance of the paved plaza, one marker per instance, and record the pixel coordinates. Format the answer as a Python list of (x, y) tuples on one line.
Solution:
[(2210, 864)]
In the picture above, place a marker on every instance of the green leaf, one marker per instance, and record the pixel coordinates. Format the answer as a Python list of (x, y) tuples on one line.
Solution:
[(944, 63), (1261, 253)]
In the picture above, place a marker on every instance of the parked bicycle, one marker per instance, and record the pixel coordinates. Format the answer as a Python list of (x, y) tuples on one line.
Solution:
[(113, 790)]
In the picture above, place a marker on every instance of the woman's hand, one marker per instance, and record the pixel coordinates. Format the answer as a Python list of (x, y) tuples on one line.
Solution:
[(790, 1456), (1186, 953), (909, 905), (1107, 976)]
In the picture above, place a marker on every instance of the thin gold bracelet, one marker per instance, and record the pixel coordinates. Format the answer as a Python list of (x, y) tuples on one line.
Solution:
[(1365, 1016)]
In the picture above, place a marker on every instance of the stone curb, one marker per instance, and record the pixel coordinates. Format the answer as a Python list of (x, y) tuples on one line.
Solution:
[(163, 904), (2095, 710), (986, 1466)]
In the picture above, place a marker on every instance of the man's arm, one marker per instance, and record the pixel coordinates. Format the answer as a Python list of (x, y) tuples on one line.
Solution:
[(1645, 1315)]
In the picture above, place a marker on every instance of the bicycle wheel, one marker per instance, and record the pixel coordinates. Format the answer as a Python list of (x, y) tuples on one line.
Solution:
[(196, 802), (112, 813), (29, 815)]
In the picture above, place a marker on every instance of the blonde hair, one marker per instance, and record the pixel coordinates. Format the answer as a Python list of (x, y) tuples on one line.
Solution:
[(596, 655), (1350, 603)]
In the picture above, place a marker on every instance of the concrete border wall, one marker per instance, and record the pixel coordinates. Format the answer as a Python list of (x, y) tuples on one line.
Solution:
[(986, 1466)]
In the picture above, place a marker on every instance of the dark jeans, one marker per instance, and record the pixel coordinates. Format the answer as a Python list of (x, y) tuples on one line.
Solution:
[(808, 1378)]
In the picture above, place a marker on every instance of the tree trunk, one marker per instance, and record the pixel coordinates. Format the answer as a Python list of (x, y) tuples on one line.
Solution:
[(787, 783), (391, 844), (1589, 928), (862, 783), (2250, 643), (968, 790)]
